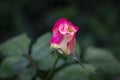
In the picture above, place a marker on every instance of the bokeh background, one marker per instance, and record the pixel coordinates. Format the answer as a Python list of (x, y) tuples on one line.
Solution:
[(98, 20)]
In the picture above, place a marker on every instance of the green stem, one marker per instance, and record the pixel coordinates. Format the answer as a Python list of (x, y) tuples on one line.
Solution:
[(52, 69)]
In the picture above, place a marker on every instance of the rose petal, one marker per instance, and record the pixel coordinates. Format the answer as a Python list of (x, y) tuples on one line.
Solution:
[(71, 45), (58, 23), (57, 38)]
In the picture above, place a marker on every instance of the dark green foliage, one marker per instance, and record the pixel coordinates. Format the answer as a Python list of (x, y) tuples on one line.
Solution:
[(19, 63)]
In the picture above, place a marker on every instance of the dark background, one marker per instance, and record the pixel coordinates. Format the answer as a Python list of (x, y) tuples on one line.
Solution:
[(98, 20)]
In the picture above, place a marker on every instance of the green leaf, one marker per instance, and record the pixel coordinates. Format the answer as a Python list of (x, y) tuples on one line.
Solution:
[(102, 59), (13, 65), (27, 74), (41, 52), (74, 72), (16, 46)]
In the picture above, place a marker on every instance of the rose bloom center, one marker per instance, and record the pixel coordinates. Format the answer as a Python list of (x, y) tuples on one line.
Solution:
[(68, 29)]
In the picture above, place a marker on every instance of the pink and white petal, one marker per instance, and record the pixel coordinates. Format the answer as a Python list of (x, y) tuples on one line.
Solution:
[(62, 29), (68, 28), (58, 23), (65, 41), (71, 45), (75, 28), (56, 38)]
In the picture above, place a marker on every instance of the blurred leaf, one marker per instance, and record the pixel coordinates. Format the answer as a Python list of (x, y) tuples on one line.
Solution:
[(100, 75), (16, 46), (74, 72), (27, 74), (102, 59), (38, 78), (12, 65), (41, 52)]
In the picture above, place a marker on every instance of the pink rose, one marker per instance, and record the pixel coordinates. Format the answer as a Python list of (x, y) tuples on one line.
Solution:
[(64, 36)]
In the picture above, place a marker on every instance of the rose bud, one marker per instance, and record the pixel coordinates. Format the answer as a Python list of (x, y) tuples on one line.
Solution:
[(64, 36)]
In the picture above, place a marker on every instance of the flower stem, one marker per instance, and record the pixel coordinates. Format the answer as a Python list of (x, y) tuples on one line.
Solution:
[(50, 74)]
